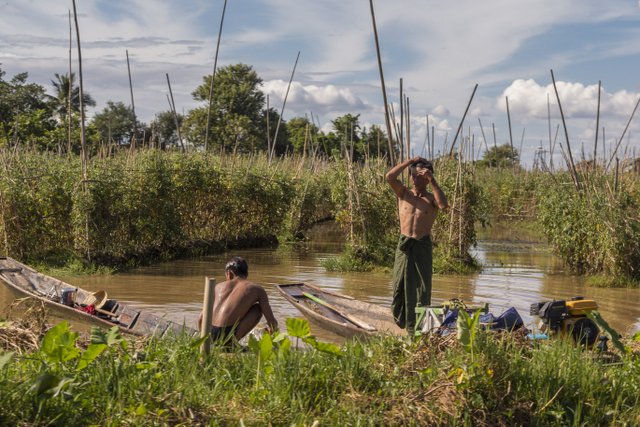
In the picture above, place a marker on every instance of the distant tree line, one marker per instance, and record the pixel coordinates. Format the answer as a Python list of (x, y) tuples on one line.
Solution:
[(239, 121)]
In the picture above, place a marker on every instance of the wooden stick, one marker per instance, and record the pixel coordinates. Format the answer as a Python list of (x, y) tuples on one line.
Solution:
[(595, 146), (284, 103), (172, 104), (207, 314), (387, 117), (133, 105), (453, 144), (213, 76), (572, 165)]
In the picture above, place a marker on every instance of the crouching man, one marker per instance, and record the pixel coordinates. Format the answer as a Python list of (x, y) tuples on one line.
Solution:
[(238, 305)]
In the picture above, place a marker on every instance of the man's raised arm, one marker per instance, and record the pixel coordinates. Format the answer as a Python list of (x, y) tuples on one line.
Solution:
[(394, 173)]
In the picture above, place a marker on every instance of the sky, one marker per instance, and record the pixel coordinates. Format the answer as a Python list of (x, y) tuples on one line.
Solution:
[(440, 50)]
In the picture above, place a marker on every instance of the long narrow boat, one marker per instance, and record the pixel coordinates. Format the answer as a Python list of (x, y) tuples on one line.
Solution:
[(338, 313), (24, 281)]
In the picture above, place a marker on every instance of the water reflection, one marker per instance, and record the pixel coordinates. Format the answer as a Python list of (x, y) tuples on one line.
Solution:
[(518, 272)]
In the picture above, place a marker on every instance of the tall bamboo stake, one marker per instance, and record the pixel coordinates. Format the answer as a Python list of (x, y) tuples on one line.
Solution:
[(387, 117), (83, 147), (595, 145), (453, 144), (70, 91), (172, 105), (510, 133), (401, 98), (549, 123), (284, 103), (269, 130), (615, 150), (484, 138), (572, 165), (213, 76), (133, 105)]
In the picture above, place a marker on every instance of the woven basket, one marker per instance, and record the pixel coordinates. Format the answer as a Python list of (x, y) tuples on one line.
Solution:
[(97, 299)]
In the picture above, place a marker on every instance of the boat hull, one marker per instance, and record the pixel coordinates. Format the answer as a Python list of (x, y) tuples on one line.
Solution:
[(340, 314)]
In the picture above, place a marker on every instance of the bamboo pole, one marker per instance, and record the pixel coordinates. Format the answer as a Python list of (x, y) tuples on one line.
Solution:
[(510, 133), (207, 314), (268, 129), (70, 91), (83, 147), (572, 165), (453, 144), (284, 103), (213, 76), (387, 117), (615, 150), (133, 105), (401, 98), (549, 125), (595, 146), (484, 138), (172, 104)]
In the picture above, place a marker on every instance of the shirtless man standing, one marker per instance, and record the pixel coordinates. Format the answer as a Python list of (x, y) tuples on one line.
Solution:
[(238, 304), (413, 263)]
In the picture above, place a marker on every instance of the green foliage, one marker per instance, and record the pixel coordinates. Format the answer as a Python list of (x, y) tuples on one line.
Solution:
[(151, 205), (468, 329), (595, 231), (115, 123), (378, 382), (502, 156)]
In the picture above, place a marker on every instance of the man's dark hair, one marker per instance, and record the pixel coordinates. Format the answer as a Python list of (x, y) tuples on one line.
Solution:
[(238, 266), (423, 163)]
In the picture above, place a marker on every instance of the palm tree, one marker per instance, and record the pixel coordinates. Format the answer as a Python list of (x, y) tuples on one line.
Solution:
[(61, 99)]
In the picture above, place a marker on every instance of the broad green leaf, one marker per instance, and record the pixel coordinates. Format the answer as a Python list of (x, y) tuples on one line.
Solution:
[(298, 328), (266, 347), (89, 355), (58, 344), (284, 347), (636, 336), (607, 330), (326, 347), (5, 358), (110, 337)]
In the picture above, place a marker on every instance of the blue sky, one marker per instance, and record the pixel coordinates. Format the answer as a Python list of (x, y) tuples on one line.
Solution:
[(439, 49)]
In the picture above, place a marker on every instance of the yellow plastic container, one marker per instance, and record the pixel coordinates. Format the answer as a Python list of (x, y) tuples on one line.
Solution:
[(581, 307)]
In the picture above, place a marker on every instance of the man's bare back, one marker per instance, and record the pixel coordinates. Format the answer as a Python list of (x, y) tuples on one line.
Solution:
[(239, 304)]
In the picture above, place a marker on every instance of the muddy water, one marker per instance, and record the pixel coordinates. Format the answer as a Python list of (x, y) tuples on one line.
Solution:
[(518, 271)]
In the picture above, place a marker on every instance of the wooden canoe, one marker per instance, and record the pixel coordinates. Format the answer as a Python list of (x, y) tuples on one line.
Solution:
[(23, 281), (338, 313)]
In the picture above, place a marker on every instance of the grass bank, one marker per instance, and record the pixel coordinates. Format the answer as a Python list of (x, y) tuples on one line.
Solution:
[(496, 380)]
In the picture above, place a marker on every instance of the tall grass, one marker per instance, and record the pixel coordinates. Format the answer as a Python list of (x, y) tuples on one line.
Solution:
[(151, 204)]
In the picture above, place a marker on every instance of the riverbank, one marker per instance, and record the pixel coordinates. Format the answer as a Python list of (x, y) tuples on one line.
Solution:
[(499, 380)]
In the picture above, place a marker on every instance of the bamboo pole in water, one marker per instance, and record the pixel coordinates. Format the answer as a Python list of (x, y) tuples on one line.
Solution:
[(387, 117), (453, 144), (213, 77)]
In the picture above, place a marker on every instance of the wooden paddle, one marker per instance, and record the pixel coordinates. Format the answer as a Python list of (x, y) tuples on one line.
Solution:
[(349, 317)]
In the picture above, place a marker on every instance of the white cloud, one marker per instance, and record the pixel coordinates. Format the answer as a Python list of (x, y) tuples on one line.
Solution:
[(528, 98), (440, 110), (316, 99)]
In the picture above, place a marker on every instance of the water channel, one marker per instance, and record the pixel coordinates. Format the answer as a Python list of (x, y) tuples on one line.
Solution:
[(518, 271)]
